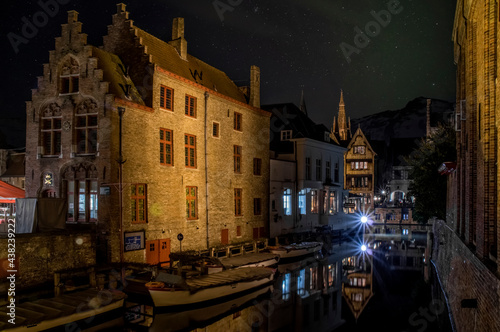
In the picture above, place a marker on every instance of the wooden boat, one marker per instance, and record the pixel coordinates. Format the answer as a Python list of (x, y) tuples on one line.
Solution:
[(74, 310), (296, 249), (189, 319), (261, 259), (169, 290)]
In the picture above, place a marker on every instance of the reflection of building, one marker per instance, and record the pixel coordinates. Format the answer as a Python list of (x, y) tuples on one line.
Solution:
[(307, 169), (357, 288), (173, 118), (309, 297), (359, 162)]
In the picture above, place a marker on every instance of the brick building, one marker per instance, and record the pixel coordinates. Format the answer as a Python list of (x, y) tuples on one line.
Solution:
[(467, 252), (194, 146)]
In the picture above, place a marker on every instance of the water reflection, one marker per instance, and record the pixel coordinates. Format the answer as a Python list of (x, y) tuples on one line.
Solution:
[(348, 290)]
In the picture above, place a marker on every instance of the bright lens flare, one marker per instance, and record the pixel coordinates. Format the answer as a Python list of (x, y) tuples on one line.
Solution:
[(363, 247), (364, 219)]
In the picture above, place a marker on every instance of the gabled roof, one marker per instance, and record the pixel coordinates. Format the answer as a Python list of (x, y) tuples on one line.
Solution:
[(193, 69), (114, 72), (360, 132)]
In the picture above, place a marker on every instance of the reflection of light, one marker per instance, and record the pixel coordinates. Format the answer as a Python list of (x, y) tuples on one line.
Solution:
[(79, 241), (363, 247), (364, 219), (383, 192)]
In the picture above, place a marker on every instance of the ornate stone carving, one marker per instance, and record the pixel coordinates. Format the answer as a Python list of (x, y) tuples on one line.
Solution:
[(66, 126), (70, 66), (87, 106), (53, 109)]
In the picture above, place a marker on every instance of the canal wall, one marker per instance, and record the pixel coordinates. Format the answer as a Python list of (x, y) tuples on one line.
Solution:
[(38, 256), (472, 291)]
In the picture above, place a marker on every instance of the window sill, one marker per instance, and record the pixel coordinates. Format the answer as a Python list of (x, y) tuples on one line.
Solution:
[(69, 93), (51, 156)]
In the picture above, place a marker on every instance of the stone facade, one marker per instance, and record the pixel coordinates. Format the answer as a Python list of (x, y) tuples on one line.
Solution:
[(184, 126)]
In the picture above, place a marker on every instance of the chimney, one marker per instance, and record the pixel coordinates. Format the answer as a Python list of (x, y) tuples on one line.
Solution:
[(254, 86), (178, 40)]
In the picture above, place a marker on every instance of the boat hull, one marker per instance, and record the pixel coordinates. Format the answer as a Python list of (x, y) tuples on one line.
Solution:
[(167, 297), (292, 251)]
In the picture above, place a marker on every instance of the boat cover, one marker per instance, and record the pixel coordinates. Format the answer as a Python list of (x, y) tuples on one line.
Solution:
[(253, 258), (225, 277)]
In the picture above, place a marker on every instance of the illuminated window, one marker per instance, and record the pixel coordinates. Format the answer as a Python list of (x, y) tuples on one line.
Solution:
[(190, 151), (237, 202), (166, 147), (138, 204), (285, 286), (237, 158), (192, 203), (287, 201), (190, 107), (325, 202), (238, 118), (332, 203), (257, 166), (166, 98), (82, 200), (314, 201), (302, 201)]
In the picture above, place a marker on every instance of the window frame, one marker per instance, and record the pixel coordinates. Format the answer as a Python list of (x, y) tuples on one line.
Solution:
[(163, 146), (238, 202), (136, 198), (257, 206), (287, 201), (238, 121), (72, 81), (257, 166), (215, 124), (54, 133), (163, 91), (237, 157), (191, 199), (190, 110), (188, 147)]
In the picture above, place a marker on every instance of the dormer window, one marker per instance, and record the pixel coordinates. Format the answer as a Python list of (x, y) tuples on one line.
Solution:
[(69, 78), (286, 135), (327, 136)]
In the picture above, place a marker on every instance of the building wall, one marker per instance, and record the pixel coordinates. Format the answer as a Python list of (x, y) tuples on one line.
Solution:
[(166, 185), (463, 276), (38, 256), (359, 140)]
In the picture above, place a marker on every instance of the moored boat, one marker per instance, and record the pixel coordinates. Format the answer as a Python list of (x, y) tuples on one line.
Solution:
[(261, 259), (296, 249), (169, 290), (72, 310)]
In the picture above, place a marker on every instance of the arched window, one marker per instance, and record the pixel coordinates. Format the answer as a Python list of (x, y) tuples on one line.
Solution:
[(86, 127), (81, 193), (69, 78), (50, 129)]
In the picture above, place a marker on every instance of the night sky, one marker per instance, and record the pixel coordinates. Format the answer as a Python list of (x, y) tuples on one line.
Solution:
[(296, 43)]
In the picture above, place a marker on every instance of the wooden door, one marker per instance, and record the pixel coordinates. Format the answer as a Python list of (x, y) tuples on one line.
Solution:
[(164, 250), (224, 236), (152, 252)]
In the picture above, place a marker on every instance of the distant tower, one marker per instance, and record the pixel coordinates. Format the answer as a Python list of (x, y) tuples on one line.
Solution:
[(303, 107), (344, 126)]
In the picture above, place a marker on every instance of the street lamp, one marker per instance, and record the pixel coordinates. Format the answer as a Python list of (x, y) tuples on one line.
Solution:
[(364, 219), (363, 247)]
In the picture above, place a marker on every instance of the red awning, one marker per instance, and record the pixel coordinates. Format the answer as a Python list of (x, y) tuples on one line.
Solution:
[(9, 193)]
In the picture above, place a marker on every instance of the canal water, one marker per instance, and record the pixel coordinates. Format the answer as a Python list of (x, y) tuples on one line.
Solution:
[(389, 285)]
